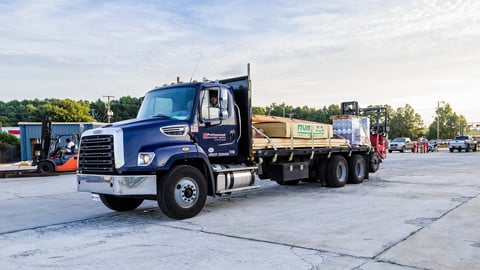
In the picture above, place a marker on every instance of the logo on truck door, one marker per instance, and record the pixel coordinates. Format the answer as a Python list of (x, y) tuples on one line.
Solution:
[(217, 137)]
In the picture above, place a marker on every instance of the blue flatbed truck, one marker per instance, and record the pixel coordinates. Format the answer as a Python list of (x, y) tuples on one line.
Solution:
[(179, 150)]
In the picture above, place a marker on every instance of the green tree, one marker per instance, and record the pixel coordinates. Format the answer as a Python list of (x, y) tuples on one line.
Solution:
[(447, 124), (304, 113), (282, 110), (404, 122), (6, 138), (125, 108), (98, 110), (65, 110), (258, 110)]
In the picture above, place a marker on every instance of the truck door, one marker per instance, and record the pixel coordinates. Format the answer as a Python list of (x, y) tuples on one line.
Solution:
[(217, 125)]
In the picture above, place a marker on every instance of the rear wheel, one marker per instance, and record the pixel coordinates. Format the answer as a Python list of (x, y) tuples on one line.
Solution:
[(357, 169), (46, 167), (337, 172), (120, 204), (182, 192)]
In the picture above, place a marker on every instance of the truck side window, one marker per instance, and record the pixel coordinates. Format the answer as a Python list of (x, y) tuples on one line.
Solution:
[(215, 104), (210, 104)]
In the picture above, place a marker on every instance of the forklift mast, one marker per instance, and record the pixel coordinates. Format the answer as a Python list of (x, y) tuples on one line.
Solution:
[(380, 121), (46, 138)]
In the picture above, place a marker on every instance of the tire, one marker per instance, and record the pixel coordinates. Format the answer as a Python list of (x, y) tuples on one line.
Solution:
[(451, 150), (46, 167), (337, 172), (357, 169), (390, 151), (374, 163), (182, 192), (120, 204)]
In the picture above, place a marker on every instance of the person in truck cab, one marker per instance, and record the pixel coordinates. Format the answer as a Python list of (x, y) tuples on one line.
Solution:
[(213, 100)]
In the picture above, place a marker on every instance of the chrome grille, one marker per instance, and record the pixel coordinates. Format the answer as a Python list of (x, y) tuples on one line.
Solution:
[(96, 154)]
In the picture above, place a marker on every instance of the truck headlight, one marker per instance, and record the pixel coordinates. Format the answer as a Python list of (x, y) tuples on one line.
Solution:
[(145, 158)]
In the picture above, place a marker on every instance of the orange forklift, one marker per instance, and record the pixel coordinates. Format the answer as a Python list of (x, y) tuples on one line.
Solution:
[(51, 154)]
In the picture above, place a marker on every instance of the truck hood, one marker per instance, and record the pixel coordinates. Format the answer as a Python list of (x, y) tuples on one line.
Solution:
[(143, 135)]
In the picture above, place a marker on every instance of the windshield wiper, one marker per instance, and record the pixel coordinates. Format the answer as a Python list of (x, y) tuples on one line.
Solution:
[(161, 115)]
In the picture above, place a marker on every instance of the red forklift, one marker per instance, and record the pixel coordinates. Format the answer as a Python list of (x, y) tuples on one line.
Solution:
[(51, 154), (379, 127)]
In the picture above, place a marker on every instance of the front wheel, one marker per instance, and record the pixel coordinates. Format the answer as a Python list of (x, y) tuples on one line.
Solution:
[(182, 192), (120, 204), (45, 167)]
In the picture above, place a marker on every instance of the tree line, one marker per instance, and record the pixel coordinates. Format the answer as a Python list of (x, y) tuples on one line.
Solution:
[(67, 110), (404, 121)]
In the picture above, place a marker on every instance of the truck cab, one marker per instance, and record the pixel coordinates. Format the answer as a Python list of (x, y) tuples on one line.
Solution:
[(179, 139)]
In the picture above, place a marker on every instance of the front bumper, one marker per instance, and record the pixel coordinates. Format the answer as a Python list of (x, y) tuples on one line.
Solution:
[(117, 184)]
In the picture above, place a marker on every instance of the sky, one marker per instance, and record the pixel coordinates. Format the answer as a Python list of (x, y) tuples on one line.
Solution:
[(302, 53)]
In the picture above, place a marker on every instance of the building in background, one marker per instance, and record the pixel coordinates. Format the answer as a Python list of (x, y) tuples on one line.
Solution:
[(473, 129), (15, 131), (31, 133)]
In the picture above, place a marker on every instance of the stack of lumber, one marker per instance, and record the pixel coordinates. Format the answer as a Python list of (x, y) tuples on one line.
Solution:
[(279, 132)]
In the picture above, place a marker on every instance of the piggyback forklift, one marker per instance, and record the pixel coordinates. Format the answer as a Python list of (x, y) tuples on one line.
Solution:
[(379, 128), (51, 154)]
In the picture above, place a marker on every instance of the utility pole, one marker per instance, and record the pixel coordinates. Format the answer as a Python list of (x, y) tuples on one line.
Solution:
[(109, 112), (438, 119), (92, 111)]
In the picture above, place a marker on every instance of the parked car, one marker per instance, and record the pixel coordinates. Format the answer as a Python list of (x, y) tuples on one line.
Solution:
[(401, 144)]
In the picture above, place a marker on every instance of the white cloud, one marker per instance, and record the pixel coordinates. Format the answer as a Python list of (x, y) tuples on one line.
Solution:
[(312, 53)]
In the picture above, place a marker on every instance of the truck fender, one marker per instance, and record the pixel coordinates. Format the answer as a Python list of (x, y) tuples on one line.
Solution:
[(170, 156), (207, 170)]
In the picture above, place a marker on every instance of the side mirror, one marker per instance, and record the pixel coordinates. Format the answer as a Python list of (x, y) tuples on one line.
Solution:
[(223, 114)]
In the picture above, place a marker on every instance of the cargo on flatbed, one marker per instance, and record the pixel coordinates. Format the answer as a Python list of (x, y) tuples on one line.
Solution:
[(281, 127), (280, 132)]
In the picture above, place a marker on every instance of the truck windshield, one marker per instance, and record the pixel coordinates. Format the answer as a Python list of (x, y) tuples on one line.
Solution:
[(175, 103)]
